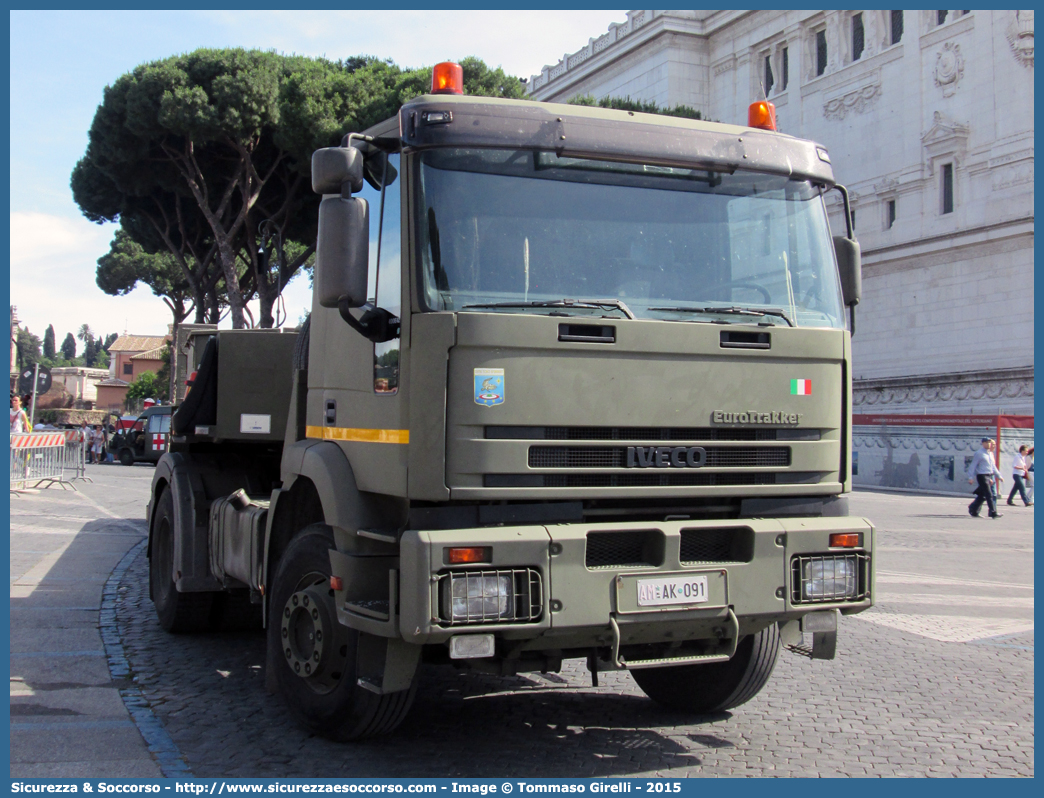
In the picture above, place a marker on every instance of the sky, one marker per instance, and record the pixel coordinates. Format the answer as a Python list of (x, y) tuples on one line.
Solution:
[(62, 60)]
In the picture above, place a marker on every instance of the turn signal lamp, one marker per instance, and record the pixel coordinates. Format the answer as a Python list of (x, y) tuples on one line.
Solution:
[(336, 583), (458, 556), (447, 78), (762, 114), (846, 540)]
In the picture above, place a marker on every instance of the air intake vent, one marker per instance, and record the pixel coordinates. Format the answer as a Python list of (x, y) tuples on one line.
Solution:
[(629, 548), (729, 544)]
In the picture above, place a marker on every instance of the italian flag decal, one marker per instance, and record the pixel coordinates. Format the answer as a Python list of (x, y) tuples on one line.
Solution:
[(801, 387)]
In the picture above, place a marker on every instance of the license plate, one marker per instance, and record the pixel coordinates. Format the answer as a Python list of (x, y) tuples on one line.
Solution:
[(672, 590)]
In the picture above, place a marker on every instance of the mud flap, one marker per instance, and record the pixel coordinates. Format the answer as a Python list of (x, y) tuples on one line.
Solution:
[(385, 664)]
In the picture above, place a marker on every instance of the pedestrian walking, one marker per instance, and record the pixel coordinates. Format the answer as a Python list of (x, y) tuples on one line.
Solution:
[(97, 444), (982, 472), (1029, 475), (19, 420), (1019, 470)]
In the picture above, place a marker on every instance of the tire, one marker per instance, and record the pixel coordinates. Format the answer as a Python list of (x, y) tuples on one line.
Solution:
[(126, 457), (177, 612), (716, 686), (327, 700)]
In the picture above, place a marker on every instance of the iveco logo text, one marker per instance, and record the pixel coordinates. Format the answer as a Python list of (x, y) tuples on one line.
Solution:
[(751, 417), (666, 456)]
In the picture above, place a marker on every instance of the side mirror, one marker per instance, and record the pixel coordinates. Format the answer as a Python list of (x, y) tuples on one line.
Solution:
[(849, 268), (342, 251), (332, 167)]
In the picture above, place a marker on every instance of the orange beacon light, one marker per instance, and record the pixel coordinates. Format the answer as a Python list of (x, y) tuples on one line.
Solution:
[(447, 78)]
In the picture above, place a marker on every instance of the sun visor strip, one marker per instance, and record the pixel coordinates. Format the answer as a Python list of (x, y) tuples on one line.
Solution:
[(536, 126)]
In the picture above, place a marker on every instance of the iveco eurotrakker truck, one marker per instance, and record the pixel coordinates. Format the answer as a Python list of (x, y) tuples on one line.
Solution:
[(575, 385)]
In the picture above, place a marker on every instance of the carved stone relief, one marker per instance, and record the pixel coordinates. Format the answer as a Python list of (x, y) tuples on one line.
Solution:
[(857, 101), (945, 139), (941, 390), (949, 68), (1020, 36)]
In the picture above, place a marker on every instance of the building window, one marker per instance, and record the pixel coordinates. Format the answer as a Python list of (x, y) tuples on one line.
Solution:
[(821, 52), (128, 368), (940, 17), (947, 187), (857, 37), (889, 214), (784, 79), (853, 220), (768, 75), (897, 27)]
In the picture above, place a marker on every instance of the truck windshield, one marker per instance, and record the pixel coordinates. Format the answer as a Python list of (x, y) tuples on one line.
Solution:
[(530, 232)]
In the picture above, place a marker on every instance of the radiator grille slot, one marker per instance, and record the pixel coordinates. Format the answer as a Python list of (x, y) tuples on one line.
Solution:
[(616, 457), (631, 433), (627, 548), (661, 477), (727, 544)]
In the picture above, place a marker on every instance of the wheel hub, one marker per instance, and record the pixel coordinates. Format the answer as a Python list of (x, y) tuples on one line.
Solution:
[(306, 631)]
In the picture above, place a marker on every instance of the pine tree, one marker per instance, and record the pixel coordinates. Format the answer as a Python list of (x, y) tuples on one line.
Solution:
[(48, 342), (69, 347)]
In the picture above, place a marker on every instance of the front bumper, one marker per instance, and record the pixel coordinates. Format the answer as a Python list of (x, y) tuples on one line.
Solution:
[(588, 576)]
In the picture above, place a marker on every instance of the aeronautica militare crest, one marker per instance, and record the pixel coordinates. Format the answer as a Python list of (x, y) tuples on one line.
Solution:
[(489, 387)]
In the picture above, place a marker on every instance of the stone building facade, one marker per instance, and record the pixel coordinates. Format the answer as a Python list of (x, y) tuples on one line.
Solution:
[(928, 117)]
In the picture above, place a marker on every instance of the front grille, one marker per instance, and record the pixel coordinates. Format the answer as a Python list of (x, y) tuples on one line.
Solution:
[(663, 478), (616, 457), (631, 433), (505, 595), (728, 544), (841, 578), (626, 548)]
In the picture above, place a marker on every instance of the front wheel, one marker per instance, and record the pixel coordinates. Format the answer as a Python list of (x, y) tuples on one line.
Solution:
[(716, 686), (126, 457), (314, 655)]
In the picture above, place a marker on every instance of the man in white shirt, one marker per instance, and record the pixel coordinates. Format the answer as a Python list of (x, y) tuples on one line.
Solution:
[(983, 471), (1018, 475)]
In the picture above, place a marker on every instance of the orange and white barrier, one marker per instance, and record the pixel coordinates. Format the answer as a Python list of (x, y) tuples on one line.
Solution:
[(45, 457)]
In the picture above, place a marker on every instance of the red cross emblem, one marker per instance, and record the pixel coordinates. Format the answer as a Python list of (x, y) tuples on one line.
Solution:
[(159, 440)]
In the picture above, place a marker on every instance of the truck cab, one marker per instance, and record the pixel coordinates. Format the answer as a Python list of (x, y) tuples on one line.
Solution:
[(576, 384)]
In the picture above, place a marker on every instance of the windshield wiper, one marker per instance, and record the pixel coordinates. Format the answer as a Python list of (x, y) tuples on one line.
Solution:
[(592, 304), (736, 310)]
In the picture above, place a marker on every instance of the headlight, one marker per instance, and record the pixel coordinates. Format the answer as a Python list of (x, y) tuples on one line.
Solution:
[(481, 597), (490, 596), (830, 577)]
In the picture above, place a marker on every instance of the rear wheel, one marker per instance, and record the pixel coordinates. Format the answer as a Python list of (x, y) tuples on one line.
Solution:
[(177, 612), (715, 686), (314, 655), (126, 457)]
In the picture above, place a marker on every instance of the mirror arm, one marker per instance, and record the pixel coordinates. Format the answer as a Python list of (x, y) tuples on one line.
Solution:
[(850, 234), (376, 324)]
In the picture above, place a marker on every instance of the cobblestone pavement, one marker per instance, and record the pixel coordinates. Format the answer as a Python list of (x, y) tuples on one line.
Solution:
[(937, 680)]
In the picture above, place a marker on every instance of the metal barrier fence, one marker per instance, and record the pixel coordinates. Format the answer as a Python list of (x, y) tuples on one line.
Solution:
[(47, 458)]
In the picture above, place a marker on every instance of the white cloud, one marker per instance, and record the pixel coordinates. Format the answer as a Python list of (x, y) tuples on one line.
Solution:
[(519, 41), (53, 260)]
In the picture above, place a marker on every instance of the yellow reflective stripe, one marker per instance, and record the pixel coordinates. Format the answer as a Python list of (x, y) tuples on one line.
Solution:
[(364, 435)]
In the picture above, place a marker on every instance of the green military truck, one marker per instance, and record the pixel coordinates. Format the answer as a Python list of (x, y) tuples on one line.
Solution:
[(576, 384)]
